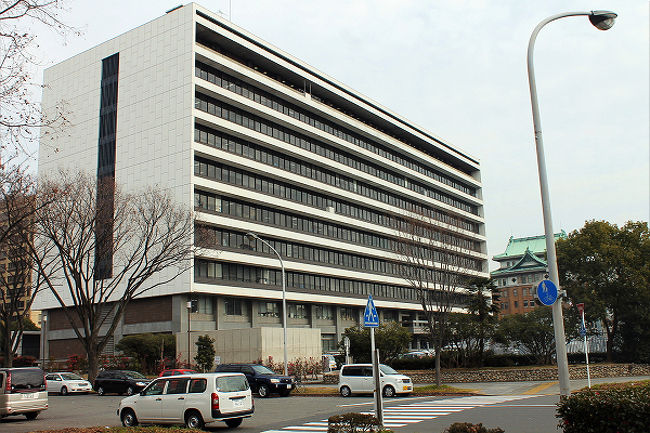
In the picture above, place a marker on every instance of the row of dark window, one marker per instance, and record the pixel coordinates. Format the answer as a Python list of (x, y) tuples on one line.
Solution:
[(259, 153), (256, 182), (300, 86), (253, 212), (217, 271), (211, 237), (266, 127), (251, 92)]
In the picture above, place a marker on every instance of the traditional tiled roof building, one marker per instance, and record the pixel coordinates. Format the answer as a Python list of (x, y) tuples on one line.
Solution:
[(522, 265)]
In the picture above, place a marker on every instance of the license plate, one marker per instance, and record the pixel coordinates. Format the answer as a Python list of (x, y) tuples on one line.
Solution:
[(30, 396), (238, 403)]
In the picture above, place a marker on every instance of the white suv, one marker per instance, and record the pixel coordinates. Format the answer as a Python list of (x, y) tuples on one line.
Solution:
[(192, 399), (357, 378)]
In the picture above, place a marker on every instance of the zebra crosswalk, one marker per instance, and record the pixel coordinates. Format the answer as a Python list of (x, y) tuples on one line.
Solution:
[(405, 414)]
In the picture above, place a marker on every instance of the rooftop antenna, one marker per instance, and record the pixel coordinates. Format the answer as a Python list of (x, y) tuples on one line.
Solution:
[(223, 14)]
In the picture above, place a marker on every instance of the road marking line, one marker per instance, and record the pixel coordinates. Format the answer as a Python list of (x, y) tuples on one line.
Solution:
[(540, 387)]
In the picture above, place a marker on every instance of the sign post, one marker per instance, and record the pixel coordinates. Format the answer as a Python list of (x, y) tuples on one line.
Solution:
[(371, 320), (346, 343), (583, 332)]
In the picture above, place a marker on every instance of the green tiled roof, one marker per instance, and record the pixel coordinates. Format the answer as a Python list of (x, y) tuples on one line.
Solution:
[(518, 246), (527, 263)]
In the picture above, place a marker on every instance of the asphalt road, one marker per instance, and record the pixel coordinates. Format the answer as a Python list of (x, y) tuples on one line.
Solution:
[(523, 407)]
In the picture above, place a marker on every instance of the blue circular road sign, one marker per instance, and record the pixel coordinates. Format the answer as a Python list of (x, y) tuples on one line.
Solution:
[(547, 292)]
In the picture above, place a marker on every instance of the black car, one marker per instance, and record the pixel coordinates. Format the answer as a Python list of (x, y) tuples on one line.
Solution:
[(262, 380), (119, 382)]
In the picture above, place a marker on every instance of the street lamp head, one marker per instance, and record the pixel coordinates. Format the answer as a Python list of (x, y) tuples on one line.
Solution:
[(602, 20), (251, 236)]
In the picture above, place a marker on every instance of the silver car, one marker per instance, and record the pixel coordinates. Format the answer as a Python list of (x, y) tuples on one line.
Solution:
[(190, 399), (65, 382)]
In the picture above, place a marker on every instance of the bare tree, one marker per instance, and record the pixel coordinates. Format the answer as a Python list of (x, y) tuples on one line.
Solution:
[(111, 248), (20, 111), (17, 287), (433, 263)]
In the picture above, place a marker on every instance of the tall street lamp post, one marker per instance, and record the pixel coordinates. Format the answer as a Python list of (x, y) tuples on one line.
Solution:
[(602, 20), (251, 235)]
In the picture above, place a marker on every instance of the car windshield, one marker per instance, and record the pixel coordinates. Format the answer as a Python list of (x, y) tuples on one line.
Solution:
[(387, 370), (260, 369), (71, 376), (134, 375)]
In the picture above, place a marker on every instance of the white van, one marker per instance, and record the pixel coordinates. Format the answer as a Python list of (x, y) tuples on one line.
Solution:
[(191, 399), (23, 391), (357, 378)]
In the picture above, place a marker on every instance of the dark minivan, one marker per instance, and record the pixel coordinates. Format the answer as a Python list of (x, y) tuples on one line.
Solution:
[(119, 382), (262, 380), (23, 391)]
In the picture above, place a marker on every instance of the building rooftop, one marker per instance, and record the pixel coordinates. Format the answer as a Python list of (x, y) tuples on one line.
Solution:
[(518, 246)]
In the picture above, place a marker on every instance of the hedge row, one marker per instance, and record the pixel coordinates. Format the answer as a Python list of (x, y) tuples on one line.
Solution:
[(607, 410)]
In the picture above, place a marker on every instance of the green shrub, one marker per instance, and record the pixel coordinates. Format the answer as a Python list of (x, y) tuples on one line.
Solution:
[(607, 410), (465, 427), (354, 423), (509, 360), (204, 353)]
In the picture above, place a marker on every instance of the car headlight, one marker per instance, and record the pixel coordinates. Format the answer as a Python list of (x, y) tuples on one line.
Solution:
[(275, 380), (406, 380), (140, 383)]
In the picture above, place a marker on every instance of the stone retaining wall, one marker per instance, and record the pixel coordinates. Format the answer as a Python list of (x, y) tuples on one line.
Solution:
[(519, 374)]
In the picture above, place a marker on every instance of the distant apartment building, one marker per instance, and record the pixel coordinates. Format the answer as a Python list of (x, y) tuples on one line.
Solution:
[(15, 270), (521, 266), (256, 140)]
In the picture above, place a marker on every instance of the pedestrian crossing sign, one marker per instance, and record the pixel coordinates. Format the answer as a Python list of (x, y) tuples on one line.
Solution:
[(370, 316)]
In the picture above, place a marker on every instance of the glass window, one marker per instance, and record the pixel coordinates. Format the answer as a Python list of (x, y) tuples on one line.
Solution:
[(329, 343), (269, 309), (324, 312), (233, 307), (198, 385), (232, 383), (297, 311), (156, 388), (177, 386), (205, 303), (347, 313)]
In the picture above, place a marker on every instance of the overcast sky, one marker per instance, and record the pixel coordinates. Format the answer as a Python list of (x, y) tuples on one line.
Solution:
[(458, 69)]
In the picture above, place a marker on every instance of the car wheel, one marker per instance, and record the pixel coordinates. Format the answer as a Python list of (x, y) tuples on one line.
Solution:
[(345, 391), (193, 420), (31, 415), (389, 391), (64, 391), (130, 390), (233, 422), (264, 391), (128, 418), (100, 390)]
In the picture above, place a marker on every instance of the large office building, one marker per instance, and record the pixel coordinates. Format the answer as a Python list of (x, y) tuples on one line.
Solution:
[(256, 140)]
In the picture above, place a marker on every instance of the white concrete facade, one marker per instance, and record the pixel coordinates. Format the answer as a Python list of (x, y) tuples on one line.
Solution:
[(161, 102)]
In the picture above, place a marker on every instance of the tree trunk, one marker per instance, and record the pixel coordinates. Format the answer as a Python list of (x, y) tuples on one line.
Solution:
[(438, 372), (93, 360), (6, 347)]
